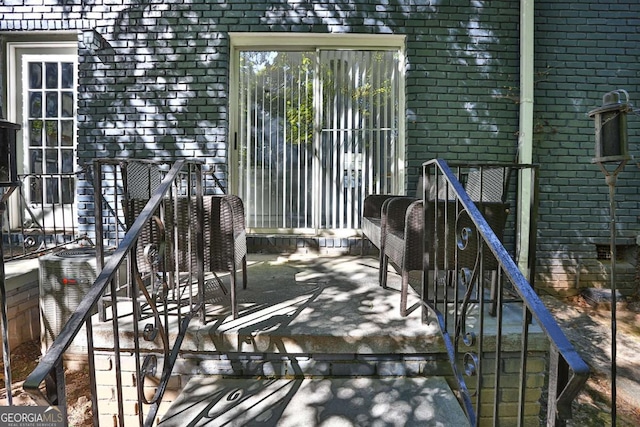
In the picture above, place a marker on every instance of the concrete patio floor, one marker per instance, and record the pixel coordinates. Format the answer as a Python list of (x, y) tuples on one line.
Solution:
[(301, 304), (317, 303)]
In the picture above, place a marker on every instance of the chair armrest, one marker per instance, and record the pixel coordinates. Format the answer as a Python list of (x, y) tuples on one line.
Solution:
[(394, 213), (236, 212), (373, 205)]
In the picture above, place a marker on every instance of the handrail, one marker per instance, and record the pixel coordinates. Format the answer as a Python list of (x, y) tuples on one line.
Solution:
[(49, 369), (568, 373), (44, 224), (33, 232)]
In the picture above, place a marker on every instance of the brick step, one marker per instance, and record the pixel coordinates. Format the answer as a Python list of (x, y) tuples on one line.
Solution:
[(328, 401)]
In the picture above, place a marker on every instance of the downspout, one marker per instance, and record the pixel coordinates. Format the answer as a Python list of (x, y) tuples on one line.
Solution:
[(525, 134)]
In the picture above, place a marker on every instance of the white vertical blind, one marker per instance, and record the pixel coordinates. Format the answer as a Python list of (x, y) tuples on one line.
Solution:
[(334, 112)]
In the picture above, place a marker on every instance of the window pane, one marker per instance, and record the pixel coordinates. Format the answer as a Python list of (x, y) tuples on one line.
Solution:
[(35, 75), (67, 75), (49, 94), (67, 132), (35, 189), (52, 190), (52, 161), (35, 163), (35, 132), (52, 104), (67, 161), (51, 75), (35, 104), (67, 104), (68, 190), (52, 133), (288, 130)]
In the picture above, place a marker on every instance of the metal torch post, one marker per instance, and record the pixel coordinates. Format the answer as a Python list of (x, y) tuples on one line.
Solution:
[(611, 178)]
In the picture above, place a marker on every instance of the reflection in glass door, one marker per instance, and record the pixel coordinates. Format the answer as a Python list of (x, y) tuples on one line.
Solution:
[(318, 131)]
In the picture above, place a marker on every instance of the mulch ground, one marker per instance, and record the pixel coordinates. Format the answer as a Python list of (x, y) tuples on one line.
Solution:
[(24, 359)]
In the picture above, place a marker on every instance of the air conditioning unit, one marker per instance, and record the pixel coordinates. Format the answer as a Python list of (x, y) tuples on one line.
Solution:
[(65, 278)]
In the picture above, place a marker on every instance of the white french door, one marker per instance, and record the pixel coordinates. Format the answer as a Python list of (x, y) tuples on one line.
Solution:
[(43, 81), (319, 129)]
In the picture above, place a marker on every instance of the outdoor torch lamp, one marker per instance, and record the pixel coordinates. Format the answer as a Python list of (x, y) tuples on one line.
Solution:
[(611, 128), (611, 147)]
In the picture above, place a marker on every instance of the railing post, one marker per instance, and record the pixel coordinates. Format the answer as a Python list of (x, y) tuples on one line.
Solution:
[(55, 387), (558, 376), (6, 352)]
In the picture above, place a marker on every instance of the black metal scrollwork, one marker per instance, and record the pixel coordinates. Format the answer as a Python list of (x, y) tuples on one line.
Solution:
[(467, 239), (466, 236), (471, 363), (149, 369), (154, 255)]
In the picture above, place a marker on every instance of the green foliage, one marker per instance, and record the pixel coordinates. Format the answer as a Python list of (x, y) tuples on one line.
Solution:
[(282, 84)]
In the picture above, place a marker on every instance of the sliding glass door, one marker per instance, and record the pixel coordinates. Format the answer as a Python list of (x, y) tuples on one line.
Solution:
[(318, 131)]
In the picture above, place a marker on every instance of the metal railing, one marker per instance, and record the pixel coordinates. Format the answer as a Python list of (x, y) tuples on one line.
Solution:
[(145, 279), (41, 215), (488, 311)]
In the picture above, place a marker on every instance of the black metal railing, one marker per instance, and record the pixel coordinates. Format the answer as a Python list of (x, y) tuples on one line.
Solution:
[(154, 278), (41, 215), (502, 343)]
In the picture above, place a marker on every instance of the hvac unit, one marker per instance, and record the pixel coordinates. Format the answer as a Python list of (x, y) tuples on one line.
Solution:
[(65, 278)]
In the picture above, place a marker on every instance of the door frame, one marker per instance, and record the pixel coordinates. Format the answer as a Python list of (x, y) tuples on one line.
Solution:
[(15, 104), (289, 41)]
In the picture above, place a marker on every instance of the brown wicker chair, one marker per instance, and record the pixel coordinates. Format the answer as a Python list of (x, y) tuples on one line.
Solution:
[(372, 223), (224, 238), (372, 218), (402, 240), (228, 243)]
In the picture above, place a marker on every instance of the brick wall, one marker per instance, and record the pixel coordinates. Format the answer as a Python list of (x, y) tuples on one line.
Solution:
[(23, 312), (583, 50), (158, 86)]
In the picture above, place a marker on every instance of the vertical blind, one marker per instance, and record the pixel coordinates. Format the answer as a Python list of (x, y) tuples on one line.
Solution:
[(319, 131)]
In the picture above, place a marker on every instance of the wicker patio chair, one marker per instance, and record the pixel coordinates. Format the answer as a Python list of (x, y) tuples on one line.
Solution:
[(402, 222), (488, 185), (372, 223), (404, 230), (228, 243), (224, 238), (372, 218)]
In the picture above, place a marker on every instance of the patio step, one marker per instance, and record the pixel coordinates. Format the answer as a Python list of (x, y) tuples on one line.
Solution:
[(364, 401)]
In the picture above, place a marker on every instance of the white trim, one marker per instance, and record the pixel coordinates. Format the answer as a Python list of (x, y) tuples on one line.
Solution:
[(12, 48), (15, 52), (525, 138), (232, 152), (264, 41), (312, 41)]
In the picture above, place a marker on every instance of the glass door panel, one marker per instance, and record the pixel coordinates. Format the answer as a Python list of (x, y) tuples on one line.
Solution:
[(318, 131), (48, 86)]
